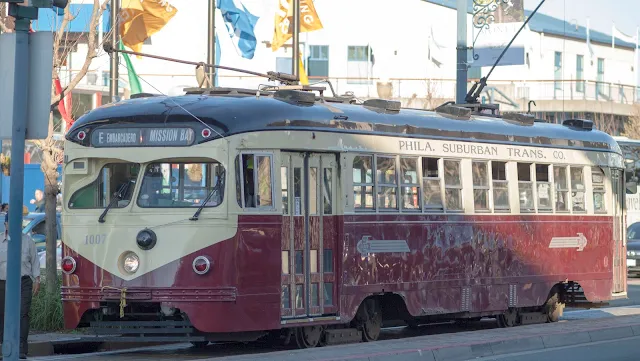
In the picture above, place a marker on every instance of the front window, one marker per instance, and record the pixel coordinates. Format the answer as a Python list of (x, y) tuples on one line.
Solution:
[(182, 184), (113, 178)]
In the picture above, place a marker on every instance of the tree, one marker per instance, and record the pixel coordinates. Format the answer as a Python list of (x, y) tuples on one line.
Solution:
[(51, 153), (632, 125)]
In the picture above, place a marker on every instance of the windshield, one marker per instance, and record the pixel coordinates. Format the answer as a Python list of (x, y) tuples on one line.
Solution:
[(25, 223), (181, 184), (111, 178)]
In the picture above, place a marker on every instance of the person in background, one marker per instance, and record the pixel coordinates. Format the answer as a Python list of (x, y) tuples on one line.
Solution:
[(5, 208), (38, 201), (30, 284)]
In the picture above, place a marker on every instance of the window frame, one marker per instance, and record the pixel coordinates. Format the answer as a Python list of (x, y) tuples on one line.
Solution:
[(98, 175), (549, 182), (439, 178), (404, 185), (566, 191), (572, 189), (531, 182), (496, 208), (364, 184), (459, 187), (379, 185), (240, 175), (486, 189), (602, 189), (181, 186)]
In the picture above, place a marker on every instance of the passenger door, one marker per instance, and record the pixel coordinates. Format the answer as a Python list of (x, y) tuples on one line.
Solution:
[(309, 234), (619, 231)]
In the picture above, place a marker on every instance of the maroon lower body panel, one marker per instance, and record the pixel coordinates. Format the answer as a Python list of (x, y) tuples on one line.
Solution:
[(436, 264)]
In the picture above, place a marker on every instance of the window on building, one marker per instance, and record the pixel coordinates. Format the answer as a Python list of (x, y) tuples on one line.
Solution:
[(363, 182), (557, 62), (600, 79), (525, 187), (580, 73), (562, 188), (577, 189), (359, 69), (543, 187), (410, 183), (452, 185), (480, 172), (500, 186), (319, 60), (432, 193), (597, 178)]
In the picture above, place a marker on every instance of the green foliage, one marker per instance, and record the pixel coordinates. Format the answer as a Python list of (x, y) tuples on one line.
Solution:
[(46, 309)]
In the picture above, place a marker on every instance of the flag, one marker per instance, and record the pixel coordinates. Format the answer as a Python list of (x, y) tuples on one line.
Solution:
[(61, 107), (139, 19), (304, 80), (241, 25), (589, 48), (309, 21), (215, 74), (134, 82)]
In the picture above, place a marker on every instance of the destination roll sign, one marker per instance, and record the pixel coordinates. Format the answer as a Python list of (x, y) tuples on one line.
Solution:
[(142, 137)]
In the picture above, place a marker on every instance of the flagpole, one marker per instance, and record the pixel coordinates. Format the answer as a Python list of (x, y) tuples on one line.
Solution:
[(635, 66), (296, 39), (113, 86), (211, 43)]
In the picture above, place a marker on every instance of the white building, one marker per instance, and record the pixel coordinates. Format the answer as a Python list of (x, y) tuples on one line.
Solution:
[(414, 58)]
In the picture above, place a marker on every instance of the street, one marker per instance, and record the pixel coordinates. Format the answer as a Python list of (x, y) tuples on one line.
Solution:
[(619, 349)]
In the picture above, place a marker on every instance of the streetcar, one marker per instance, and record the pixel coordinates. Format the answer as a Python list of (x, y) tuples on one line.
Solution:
[(292, 216)]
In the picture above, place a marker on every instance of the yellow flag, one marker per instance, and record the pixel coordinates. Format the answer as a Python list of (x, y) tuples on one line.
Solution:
[(139, 19), (304, 80), (309, 21)]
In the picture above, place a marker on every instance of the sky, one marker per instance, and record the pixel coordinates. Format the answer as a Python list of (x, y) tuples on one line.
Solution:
[(602, 13)]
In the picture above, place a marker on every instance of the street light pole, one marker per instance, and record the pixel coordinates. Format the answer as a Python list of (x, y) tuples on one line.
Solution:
[(296, 39), (211, 44), (461, 63), (113, 86)]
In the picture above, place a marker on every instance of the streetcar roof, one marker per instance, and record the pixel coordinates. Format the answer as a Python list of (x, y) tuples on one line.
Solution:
[(235, 114)]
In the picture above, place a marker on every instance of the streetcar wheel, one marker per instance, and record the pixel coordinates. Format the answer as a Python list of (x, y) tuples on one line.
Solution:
[(554, 308), (309, 336), (370, 320), (510, 318), (200, 344)]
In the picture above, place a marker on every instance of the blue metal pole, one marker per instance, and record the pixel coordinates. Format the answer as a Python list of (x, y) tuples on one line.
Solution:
[(461, 63), (11, 342)]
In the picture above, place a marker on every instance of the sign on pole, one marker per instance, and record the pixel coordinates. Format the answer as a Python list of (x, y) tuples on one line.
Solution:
[(495, 23), (39, 84)]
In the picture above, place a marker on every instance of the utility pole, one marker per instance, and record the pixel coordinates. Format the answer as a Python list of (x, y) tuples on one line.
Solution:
[(115, 38), (25, 96), (461, 63), (296, 39), (211, 44)]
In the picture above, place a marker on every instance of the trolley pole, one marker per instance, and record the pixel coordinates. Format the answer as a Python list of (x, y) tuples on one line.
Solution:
[(461, 73), (115, 76), (296, 39), (211, 44), (11, 342)]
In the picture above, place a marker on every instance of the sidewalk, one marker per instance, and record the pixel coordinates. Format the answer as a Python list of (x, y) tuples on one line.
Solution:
[(467, 345)]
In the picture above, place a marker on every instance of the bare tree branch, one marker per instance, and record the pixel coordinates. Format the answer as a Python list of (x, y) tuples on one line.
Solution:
[(3, 19), (632, 125)]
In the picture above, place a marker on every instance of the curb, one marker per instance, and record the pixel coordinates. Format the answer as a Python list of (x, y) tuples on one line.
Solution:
[(499, 347)]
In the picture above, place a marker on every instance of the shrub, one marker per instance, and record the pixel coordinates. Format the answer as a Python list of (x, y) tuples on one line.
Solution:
[(46, 309)]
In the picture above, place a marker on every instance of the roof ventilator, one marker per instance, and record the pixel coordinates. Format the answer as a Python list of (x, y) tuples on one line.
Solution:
[(519, 118), (142, 95), (456, 111), (295, 96), (579, 123), (382, 104)]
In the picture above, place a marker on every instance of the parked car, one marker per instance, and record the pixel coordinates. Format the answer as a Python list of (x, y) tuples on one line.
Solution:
[(633, 249), (34, 224)]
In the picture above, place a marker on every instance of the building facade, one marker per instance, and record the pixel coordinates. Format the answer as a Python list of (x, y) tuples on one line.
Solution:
[(364, 48)]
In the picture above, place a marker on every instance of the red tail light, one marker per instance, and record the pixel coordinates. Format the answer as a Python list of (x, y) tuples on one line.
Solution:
[(68, 265), (201, 265)]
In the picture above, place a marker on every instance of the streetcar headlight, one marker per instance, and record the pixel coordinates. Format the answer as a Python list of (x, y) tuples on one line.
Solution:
[(130, 262)]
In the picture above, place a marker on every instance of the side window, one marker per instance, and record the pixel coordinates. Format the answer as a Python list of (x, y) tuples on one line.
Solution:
[(562, 188), (432, 194), (387, 182), (525, 187), (577, 189), (113, 177), (256, 180), (543, 187), (480, 186), (597, 178), (452, 185), (284, 174), (363, 182), (500, 186), (410, 183)]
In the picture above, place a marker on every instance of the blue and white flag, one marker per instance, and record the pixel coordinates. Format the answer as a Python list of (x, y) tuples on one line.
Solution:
[(241, 25), (215, 74)]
